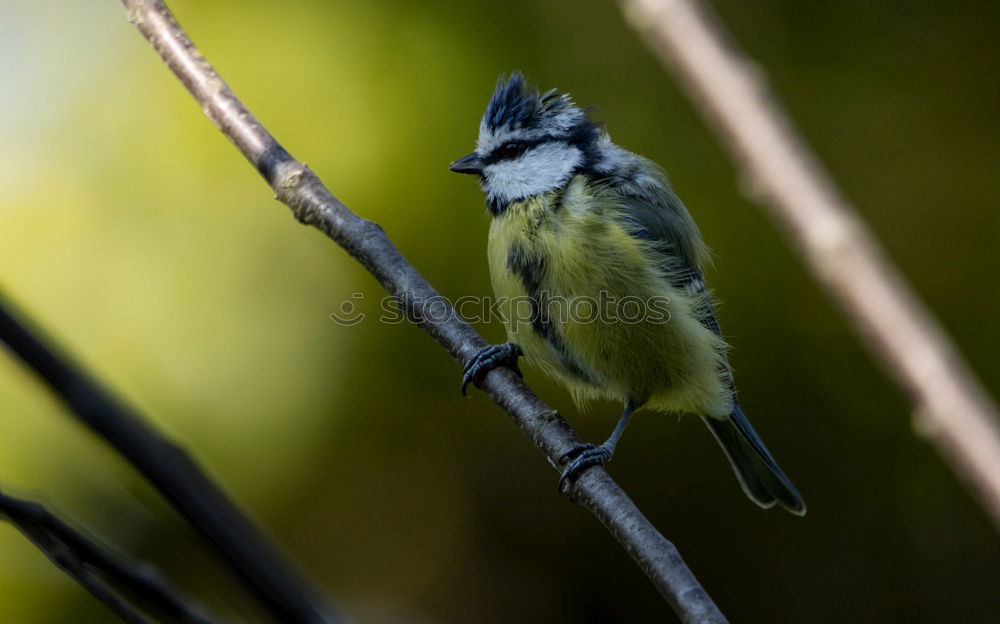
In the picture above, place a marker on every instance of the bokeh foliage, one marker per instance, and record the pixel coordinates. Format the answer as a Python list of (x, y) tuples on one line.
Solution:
[(136, 234)]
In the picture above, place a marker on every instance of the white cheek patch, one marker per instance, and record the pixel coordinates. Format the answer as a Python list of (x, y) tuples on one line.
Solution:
[(539, 170)]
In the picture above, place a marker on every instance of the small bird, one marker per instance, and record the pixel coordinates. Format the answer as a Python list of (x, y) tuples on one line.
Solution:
[(576, 218)]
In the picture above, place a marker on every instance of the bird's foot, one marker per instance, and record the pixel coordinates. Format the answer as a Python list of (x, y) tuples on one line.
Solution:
[(489, 358), (580, 458)]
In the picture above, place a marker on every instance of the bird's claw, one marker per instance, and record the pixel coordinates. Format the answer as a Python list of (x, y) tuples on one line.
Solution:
[(487, 359), (579, 459)]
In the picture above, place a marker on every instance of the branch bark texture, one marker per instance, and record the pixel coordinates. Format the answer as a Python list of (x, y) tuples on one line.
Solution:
[(178, 478), (312, 204), (952, 410)]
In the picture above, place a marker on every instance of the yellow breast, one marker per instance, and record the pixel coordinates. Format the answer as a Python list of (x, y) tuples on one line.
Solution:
[(590, 305)]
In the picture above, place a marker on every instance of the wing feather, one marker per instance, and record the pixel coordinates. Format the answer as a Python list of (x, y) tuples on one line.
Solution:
[(656, 215)]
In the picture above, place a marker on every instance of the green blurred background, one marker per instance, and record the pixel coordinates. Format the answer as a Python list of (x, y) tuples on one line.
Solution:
[(135, 233)]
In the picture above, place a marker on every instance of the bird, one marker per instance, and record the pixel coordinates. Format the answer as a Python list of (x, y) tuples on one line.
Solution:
[(575, 218)]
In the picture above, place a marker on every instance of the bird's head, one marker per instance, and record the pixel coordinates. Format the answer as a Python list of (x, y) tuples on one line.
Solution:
[(529, 143)]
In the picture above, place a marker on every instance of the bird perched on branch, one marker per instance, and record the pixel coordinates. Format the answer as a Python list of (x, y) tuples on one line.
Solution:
[(600, 270)]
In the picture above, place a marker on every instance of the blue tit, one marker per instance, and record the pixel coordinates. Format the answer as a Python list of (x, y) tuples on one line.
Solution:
[(576, 218)]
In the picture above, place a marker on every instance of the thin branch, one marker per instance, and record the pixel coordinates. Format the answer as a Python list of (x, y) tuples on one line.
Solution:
[(169, 468), (951, 408), (99, 570), (312, 204)]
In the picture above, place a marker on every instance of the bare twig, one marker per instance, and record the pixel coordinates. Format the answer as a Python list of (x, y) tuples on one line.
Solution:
[(98, 570), (312, 204), (952, 410), (169, 468)]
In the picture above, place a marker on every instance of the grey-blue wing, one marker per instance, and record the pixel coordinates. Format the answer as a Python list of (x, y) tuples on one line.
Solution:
[(666, 223)]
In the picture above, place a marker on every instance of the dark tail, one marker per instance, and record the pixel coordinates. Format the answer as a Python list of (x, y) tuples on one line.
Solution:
[(758, 473)]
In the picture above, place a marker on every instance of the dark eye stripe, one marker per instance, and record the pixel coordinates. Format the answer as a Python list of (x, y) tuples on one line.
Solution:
[(512, 149)]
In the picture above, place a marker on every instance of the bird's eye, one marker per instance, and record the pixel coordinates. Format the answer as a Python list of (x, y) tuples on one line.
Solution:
[(511, 149)]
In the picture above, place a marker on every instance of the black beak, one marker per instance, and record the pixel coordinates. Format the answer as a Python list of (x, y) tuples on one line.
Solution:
[(467, 164)]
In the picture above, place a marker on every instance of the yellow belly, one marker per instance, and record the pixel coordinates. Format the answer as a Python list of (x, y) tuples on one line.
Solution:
[(590, 305)]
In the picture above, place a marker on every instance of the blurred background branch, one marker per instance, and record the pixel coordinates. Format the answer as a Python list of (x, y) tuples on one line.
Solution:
[(312, 204), (172, 471), (951, 409), (100, 571)]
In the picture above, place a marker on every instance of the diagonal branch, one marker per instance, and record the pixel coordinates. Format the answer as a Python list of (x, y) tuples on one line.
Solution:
[(178, 478), (951, 408), (100, 571), (312, 204)]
